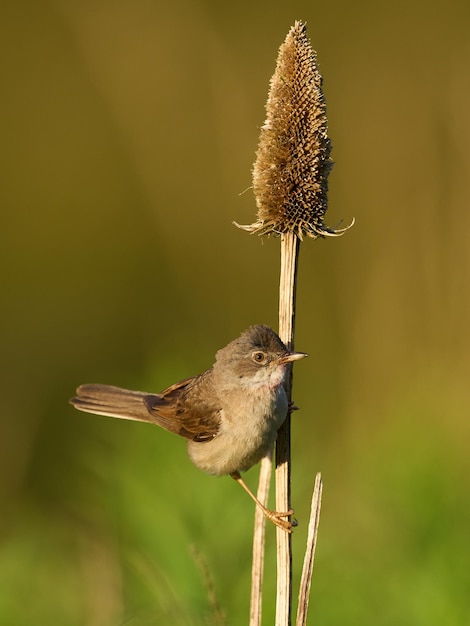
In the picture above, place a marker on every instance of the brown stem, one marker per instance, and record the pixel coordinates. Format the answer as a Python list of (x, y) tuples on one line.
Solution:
[(307, 570), (290, 244), (257, 567)]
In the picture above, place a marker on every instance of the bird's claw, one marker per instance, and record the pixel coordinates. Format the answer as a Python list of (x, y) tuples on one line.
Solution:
[(276, 518)]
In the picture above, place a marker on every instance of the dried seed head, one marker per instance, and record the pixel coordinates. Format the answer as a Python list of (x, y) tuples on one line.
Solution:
[(290, 175)]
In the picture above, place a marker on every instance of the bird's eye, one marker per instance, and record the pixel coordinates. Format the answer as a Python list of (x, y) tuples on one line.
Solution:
[(259, 357)]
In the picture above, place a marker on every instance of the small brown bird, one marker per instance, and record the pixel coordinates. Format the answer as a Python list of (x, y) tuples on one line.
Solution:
[(230, 414)]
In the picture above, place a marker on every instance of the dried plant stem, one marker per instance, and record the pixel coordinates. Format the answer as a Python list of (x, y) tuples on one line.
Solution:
[(290, 182), (290, 245), (257, 567), (307, 570)]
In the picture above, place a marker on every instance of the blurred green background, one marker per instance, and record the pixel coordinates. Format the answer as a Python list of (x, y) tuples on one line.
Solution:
[(128, 133)]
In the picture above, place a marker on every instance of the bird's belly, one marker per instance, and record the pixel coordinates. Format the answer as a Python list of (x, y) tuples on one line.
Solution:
[(242, 441)]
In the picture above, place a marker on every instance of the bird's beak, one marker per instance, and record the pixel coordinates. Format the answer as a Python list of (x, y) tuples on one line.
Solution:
[(292, 356)]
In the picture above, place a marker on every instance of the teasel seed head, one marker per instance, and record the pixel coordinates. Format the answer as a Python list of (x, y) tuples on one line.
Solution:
[(290, 175)]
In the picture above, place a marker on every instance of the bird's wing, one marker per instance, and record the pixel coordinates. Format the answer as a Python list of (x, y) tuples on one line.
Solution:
[(189, 408)]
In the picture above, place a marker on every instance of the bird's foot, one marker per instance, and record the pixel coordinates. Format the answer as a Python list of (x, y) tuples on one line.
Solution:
[(276, 518)]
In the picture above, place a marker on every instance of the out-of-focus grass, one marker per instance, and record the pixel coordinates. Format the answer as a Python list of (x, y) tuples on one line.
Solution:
[(128, 131), (395, 533)]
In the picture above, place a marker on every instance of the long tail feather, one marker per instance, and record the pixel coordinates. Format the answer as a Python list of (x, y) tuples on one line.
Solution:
[(113, 402)]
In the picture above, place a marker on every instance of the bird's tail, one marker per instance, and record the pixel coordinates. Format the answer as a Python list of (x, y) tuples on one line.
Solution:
[(112, 401)]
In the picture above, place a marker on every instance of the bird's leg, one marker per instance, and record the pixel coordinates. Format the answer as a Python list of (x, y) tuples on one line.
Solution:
[(273, 516)]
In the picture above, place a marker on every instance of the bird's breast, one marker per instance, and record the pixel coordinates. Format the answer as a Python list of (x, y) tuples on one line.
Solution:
[(248, 429)]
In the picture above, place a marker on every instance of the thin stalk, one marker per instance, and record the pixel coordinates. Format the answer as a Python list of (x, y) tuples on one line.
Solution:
[(290, 246), (307, 570), (257, 568)]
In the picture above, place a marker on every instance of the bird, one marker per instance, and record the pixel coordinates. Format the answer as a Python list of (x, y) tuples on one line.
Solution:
[(229, 414)]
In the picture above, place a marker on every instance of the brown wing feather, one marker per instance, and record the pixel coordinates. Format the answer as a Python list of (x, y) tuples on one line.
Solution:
[(189, 408)]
